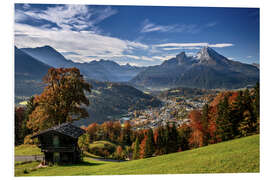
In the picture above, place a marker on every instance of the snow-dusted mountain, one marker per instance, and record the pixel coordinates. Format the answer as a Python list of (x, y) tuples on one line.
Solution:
[(208, 69)]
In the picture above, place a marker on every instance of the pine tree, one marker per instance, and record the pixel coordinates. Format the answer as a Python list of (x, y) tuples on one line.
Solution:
[(173, 143), (237, 112), (256, 106), (224, 125), (183, 137), (150, 147), (250, 116)]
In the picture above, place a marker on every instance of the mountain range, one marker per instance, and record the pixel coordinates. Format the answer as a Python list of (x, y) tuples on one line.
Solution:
[(207, 70), (102, 70), (27, 67), (108, 100)]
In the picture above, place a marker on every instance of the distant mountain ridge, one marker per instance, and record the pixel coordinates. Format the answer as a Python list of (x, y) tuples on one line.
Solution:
[(29, 67), (102, 70), (208, 70), (108, 100), (28, 74)]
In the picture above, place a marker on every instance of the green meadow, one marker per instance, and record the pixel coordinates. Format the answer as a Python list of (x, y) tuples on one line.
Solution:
[(235, 156)]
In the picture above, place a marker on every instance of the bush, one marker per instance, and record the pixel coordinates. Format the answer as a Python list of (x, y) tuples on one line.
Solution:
[(28, 140), (102, 148)]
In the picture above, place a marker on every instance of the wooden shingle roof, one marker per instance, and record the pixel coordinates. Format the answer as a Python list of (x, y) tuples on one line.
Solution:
[(66, 129)]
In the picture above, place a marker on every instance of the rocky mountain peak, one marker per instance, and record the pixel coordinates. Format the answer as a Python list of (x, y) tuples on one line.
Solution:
[(209, 56)]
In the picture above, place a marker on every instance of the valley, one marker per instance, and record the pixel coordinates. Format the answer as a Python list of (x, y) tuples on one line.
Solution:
[(148, 96), (136, 90)]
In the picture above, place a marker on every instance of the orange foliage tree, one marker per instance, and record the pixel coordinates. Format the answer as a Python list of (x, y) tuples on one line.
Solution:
[(61, 99), (196, 138)]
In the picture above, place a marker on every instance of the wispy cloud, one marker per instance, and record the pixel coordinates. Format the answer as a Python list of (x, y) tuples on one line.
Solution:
[(26, 6), (190, 46), (148, 26), (73, 30), (82, 43), (76, 17)]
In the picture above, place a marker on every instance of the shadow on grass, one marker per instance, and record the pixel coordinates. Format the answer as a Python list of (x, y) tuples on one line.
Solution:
[(84, 163)]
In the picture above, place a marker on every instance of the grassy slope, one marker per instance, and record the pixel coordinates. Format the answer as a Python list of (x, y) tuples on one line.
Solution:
[(27, 150), (101, 144), (240, 155)]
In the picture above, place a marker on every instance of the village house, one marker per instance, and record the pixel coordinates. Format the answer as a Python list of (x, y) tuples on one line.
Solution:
[(60, 143)]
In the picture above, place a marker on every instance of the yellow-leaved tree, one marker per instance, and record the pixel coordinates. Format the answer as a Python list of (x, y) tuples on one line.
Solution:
[(61, 101)]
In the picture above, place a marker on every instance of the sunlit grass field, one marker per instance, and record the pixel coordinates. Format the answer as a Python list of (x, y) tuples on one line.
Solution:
[(27, 150), (235, 156)]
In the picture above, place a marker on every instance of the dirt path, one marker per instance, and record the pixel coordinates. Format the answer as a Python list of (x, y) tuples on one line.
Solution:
[(29, 158)]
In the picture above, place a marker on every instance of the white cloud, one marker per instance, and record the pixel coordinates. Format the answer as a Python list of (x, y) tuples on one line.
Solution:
[(67, 17), (84, 43), (174, 46), (26, 6), (221, 45), (163, 58), (151, 27), (181, 45), (148, 26)]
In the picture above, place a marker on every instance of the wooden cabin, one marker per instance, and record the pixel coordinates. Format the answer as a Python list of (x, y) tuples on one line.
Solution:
[(60, 143)]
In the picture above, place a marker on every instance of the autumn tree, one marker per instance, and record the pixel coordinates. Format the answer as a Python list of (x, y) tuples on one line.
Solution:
[(147, 145), (92, 131), (62, 99), (136, 149), (116, 131), (196, 138), (159, 140), (119, 153)]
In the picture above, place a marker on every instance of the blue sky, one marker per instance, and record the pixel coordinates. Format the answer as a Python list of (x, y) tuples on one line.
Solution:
[(139, 35)]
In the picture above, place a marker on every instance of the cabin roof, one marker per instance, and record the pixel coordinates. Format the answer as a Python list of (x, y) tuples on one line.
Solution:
[(66, 129)]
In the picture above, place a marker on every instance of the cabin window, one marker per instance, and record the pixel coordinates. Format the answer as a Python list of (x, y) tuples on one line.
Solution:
[(56, 141)]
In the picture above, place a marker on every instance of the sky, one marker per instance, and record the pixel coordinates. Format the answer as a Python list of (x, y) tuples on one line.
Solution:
[(138, 35)]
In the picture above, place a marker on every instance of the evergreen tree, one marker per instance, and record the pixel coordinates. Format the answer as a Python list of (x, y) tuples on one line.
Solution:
[(256, 106), (224, 125), (183, 137), (249, 115), (165, 139), (150, 146), (237, 113), (173, 143), (126, 134), (257, 99)]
